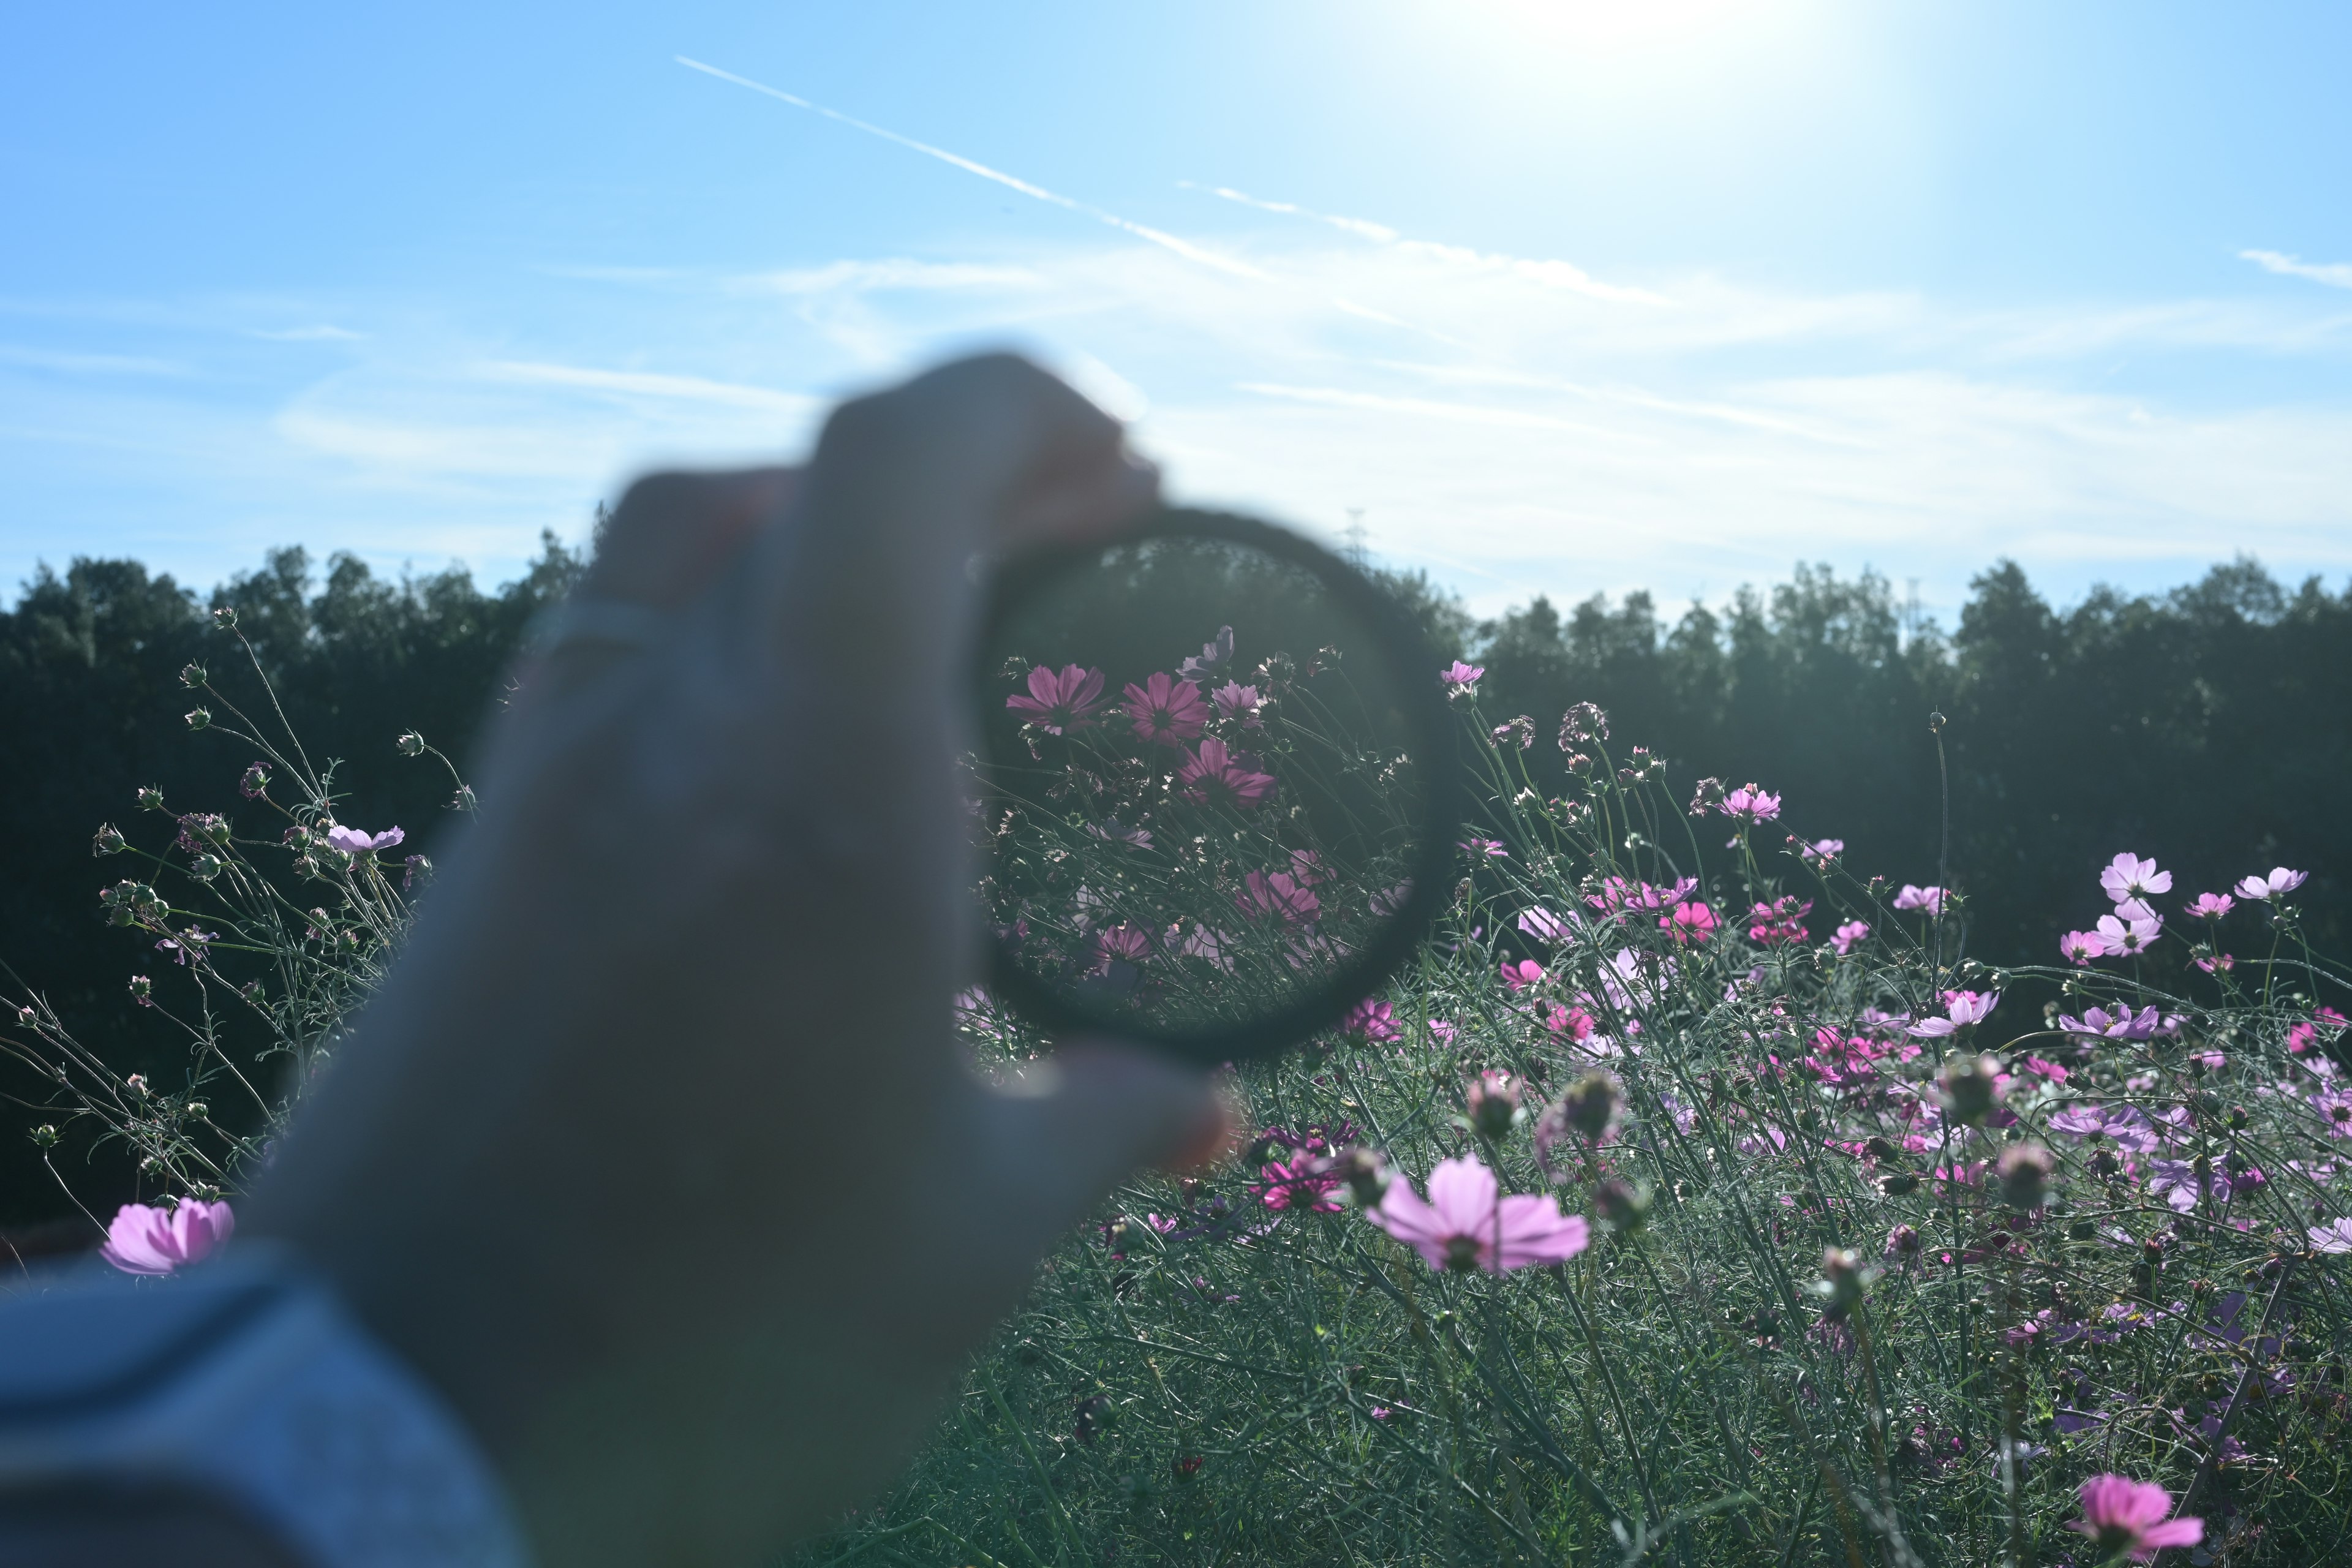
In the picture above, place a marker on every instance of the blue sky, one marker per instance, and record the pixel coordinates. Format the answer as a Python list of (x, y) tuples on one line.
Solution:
[(1553, 296)]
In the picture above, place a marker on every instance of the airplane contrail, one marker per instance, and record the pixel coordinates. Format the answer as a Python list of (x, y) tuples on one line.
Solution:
[(1182, 248)]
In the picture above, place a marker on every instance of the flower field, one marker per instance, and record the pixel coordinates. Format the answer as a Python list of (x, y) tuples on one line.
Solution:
[(1694, 1197)]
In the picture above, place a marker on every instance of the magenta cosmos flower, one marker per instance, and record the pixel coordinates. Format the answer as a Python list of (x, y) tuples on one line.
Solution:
[(1167, 710), (2209, 906), (2129, 876), (2279, 880), (1464, 1223), (1524, 972), (2122, 1515), (1846, 935), (2082, 946), (1235, 701), (1749, 803), (1460, 675), (1928, 899), (1217, 774), (1688, 924), (147, 1240), (1059, 702), (1960, 1007), (1280, 894), (352, 841), (2120, 936)]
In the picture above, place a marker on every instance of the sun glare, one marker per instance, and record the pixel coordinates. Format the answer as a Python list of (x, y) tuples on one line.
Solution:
[(1608, 26)]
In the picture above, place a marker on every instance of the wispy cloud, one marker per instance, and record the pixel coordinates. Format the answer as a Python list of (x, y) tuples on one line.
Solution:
[(70, 363), (1183, 248), (1551, 274), (322, 333), (649, 383), (2336, 275)]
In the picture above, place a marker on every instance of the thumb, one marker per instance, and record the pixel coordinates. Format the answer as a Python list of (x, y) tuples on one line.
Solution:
[(1093, 1114)]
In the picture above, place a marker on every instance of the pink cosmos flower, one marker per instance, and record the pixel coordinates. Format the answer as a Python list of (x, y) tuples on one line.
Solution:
[(148, 1241), (2302, 1035), (1930, 901), (2129, 876), (1543, 925), (1166, 709), (1301, 1182), (2279, 880), (1488, 849), (1461, 677), (1216, 774), (1214, 652), (2082, 946), (2123, 1024), (1122, 942), (1518, 976), (2334, 1236), (1749, 804), (1279, 894), (2120, 1514), (1058, 703), (1821, 851), (1466, 1225), (1960, 1007), (1689, 923), (1111, 832), (1574, 1023), (1235, 701), (1844, 938), (1369, 1020), (2118, 938), (2209, 906), (352, 841), (1779, 923)]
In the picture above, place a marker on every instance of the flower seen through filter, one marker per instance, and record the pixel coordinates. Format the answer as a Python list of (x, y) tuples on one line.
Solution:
[(2122, 1515), (352, 841), (1465, 1224), (1215, 774), (1928, 901), (2279, 880), (2129, 876), (1167, 710), (1749, 803), (1459, 677), (1058, 702), (148, 1241), (1279, 894)]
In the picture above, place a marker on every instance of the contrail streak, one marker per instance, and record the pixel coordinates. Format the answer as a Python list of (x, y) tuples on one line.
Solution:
[(1182, 248)]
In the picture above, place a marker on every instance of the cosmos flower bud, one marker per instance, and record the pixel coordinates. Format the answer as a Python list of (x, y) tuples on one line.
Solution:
[(1844, 1278), (198, 1109), (205, 867), (2025, 1171), (2081, 1229), (43, 1136), (109, 840), (143, 990), (1366, 1173), (256, 779), (1969, 1088), (199, 718), (411, 743), (1898, 1184), (1590, 1105), (224, 618), (151, 798), (1902, 1241), (193, 676), (137, 1084), (1879, 1149), (1623, 1206), (1707, 797), (1493, 1102)]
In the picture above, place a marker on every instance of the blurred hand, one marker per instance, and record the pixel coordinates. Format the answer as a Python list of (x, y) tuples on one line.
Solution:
[(657, 1152)]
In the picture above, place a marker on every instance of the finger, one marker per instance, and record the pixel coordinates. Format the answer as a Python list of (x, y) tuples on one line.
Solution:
[(673, 533), (1090, 1118)]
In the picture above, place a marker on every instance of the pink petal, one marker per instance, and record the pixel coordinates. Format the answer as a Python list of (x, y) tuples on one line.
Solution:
[(1462, 1191)]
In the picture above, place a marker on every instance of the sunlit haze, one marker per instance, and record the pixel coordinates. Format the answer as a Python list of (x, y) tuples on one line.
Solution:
[(1538, 297)]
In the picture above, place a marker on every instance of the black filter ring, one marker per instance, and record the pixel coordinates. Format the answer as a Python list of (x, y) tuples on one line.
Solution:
[(1398, 643)]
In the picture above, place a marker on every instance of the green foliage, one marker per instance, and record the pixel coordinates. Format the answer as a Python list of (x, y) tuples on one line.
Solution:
[(91, 701)]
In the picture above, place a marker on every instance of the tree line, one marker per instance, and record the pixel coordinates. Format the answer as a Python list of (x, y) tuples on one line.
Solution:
[(2209, 727)]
